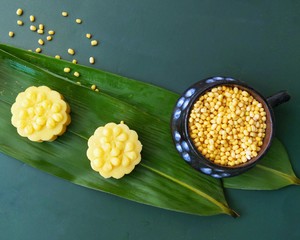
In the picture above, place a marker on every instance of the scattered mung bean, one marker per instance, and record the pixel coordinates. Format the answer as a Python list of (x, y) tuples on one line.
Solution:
[(76, 74), (94, 42), (41, 41), (71, 51), (19, 11), (51, 32), (67, 70), (32, 28), (92, 60), (31, 18), (11, 34)]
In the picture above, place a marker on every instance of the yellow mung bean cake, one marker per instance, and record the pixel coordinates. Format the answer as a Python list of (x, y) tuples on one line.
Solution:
[(114, 150), (227, 125), (40, 114)]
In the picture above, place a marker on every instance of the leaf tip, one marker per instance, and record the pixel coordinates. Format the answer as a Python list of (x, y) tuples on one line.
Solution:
[(233, 213), (296, 181)]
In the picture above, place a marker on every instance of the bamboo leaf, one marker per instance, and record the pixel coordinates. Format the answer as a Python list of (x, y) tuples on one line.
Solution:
[(123, 89), (162, 179), (273, 172)]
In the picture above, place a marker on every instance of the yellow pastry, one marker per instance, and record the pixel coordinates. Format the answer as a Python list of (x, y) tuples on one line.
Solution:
[(114, 150), (40, 114)]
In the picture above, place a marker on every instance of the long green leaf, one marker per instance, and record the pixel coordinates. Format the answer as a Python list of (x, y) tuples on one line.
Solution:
[(149, 98), (162, 179), (273, 172)]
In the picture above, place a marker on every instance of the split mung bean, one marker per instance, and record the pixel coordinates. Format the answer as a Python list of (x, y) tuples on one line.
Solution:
[(227, 125)]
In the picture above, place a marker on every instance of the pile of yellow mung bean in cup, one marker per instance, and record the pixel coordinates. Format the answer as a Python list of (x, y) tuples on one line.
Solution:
[(227, 125)]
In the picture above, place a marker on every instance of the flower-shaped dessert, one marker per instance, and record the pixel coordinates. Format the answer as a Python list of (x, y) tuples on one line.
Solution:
[(114, 150), (40, 114)]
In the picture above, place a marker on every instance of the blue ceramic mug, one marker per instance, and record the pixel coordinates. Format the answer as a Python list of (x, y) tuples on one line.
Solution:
[(182, 139)]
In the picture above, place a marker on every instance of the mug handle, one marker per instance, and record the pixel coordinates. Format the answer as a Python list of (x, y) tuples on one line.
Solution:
[(278, 98)]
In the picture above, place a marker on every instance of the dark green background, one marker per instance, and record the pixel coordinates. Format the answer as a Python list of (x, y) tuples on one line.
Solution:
[(172, 44)]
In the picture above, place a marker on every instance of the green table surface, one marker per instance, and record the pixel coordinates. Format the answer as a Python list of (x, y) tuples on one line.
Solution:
[(172, 44)]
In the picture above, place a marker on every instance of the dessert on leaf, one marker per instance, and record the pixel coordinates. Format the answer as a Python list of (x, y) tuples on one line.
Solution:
[(40, 114), (114, 150)]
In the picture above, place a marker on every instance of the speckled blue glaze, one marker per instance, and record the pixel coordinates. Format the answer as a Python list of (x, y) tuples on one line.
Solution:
[(180, 133)]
